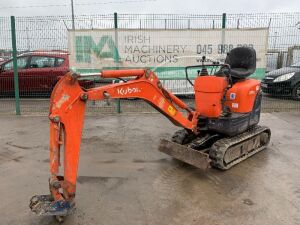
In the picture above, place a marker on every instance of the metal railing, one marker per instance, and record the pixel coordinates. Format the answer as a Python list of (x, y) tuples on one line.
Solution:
[(26, 34)]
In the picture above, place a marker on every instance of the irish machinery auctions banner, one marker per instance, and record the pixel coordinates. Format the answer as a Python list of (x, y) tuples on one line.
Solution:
[(167, 52)]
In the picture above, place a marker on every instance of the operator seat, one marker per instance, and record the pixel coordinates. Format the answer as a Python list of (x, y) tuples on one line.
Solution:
[(242, 61)]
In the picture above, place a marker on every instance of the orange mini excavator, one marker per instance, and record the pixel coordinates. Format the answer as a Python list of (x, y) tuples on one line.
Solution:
[(220, 130)]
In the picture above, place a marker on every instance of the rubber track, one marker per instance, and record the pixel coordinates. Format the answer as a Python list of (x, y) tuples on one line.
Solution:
[(219, 148)]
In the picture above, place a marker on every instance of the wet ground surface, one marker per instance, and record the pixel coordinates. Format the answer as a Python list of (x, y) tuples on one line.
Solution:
[(123, 179)]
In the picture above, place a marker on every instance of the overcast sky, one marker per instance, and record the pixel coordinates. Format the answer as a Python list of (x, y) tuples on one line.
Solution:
[(10, 7)]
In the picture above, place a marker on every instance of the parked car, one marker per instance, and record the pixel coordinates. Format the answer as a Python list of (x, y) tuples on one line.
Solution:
[(38, 73), (283, 82)]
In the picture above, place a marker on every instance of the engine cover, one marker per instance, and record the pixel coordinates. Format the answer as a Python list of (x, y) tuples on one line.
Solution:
[(241, 96)]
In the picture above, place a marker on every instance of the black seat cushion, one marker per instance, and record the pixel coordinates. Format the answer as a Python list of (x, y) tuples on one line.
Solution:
[(242, 61)]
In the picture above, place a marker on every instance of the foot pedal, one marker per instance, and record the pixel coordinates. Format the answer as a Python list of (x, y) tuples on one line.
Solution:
[(45, 205)]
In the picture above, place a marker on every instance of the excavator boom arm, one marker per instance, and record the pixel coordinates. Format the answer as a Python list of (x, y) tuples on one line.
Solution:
[(67, 107)]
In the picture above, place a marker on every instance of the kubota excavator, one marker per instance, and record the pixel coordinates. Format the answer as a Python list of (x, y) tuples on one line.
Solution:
[(220, 131)]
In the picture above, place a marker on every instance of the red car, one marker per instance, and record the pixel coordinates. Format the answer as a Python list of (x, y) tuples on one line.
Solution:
[(38, 72)]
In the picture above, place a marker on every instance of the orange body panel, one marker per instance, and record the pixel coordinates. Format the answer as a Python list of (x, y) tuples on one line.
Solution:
[(122, 73), (241, 96), (209, 91)]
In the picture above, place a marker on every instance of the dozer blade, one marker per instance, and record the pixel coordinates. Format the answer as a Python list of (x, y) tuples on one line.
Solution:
[(183, 153), (44, 205)]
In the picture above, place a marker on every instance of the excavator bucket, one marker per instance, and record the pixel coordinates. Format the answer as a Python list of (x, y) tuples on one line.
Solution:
[(183, 153), (44, 205)]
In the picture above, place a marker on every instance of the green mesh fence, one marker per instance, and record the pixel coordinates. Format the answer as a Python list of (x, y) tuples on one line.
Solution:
[(45, 54)]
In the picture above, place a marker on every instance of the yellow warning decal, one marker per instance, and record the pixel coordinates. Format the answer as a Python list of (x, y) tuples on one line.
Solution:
[(172, 110)]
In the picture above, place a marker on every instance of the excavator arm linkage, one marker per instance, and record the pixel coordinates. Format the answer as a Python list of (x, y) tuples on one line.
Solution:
[(67, 108)]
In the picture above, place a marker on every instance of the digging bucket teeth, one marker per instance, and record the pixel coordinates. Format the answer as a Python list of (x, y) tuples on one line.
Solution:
[(183, 153)]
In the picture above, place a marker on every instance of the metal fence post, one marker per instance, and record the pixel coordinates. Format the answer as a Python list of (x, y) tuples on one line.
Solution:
[(223, 32), (117, 59), (223, 20), (15, 65)]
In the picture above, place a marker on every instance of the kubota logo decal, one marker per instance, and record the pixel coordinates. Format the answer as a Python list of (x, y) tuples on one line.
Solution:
[(128, 90)]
